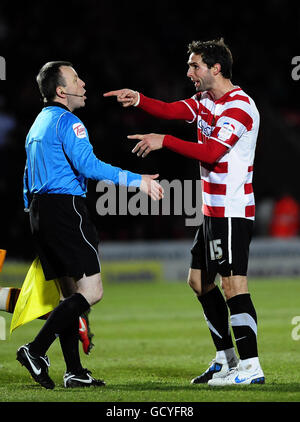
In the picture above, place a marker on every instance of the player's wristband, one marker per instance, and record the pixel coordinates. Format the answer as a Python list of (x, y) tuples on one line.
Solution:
[(138, 100)]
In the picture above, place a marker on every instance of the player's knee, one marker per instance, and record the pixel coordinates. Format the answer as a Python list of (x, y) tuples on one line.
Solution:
[(225, 285), (233, 286), (194, 282)]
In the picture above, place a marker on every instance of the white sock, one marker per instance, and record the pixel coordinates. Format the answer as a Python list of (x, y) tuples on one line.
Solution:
[(227, 356), (249, 364), (4, 292)]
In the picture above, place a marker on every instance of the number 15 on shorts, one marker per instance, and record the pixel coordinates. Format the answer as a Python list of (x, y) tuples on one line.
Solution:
[(215, 249)]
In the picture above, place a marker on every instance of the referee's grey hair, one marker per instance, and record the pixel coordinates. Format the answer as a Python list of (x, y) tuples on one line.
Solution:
[(50, 77)]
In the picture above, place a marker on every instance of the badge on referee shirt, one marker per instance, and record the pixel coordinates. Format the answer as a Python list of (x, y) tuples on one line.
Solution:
[(79, 130)]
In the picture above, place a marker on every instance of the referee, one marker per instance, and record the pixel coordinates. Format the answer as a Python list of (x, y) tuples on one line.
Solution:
[(60, 159)]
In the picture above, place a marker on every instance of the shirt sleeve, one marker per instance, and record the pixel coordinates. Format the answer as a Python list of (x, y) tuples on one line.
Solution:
[(210, 152), (77, 147), (177, 110), (233, 123)]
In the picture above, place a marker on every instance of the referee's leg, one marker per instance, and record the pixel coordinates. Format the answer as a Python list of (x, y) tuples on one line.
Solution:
[(79, 296), (91, 288)]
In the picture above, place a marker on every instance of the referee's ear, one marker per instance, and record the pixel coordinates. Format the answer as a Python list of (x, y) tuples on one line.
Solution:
[(60, 92)]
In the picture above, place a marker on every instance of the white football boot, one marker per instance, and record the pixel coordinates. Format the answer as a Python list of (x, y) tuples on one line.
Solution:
[(247, 372), (219, 367)]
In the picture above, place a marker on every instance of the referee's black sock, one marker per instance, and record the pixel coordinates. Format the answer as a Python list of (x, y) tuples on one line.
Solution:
[(244, 324), (216, 314), (59, 320), (69, 346)]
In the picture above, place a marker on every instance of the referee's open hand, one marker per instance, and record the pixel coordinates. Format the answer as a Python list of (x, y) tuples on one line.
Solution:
[(151, 187)]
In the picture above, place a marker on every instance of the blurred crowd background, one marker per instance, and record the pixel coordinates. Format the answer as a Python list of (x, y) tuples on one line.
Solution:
[(144, 46)]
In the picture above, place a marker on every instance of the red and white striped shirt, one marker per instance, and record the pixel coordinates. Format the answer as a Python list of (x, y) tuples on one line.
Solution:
[(232, 120), (227, 131)]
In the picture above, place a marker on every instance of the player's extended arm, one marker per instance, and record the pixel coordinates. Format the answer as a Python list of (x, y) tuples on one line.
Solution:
[(177, 110), (209, 152)]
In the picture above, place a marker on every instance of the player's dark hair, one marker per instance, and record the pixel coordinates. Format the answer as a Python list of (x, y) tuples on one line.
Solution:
[(212, 52), (49, 78)]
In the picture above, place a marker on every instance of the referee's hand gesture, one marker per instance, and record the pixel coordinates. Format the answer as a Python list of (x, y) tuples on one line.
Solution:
[(151, 187)]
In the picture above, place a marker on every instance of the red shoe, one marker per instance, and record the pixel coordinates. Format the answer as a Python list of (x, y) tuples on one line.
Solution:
[(85, 335)]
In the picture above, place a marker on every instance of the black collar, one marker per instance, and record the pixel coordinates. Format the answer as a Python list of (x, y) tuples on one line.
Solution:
[(55, 104)]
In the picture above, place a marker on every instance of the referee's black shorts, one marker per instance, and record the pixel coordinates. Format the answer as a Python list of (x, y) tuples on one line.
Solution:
[(221, 246), (64, 235)]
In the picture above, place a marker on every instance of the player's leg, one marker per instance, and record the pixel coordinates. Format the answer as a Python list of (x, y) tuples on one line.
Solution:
[(216, 315), (215, 312), (243, 316), (214, 309), (243, 320), (8, 298)]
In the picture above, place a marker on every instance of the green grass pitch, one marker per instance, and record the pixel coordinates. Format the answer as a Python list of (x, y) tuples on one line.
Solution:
[(151, 340)]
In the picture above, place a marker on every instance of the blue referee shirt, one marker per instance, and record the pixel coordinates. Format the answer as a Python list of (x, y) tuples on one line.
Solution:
[(60, 157)]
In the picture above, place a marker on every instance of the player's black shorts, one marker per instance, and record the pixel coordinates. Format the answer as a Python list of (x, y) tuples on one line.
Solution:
[(221, 246), (65, 237)]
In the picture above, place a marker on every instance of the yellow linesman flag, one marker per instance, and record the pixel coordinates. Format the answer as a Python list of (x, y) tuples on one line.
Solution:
[(37, 297)]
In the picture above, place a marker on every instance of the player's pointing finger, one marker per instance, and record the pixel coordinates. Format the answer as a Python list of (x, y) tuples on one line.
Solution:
[(140, 137), (112, 93)]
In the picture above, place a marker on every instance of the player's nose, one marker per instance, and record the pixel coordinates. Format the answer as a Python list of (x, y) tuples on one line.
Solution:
[(189, 73)]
